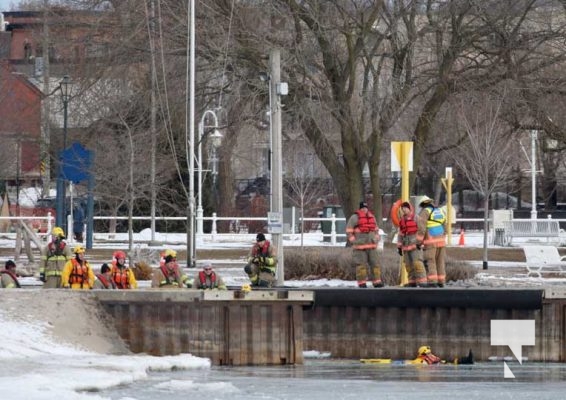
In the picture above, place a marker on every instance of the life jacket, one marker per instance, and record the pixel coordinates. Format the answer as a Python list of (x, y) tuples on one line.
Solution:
[(120, 276), (366, 222), (12, 275), (202, 279), (262, 251), (55, 248), (408, 225), (105, 282), (435, 222), (167, 275), (79, 274)]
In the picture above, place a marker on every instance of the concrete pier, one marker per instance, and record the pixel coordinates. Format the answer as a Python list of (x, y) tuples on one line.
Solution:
[(229, 327), (274, 326)]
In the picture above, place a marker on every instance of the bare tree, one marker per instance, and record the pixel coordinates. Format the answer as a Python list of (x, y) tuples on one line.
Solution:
[(486, 157), (303, 189)]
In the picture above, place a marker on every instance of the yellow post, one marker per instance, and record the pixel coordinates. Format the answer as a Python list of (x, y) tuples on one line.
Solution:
[(447, 183), (402, 152)]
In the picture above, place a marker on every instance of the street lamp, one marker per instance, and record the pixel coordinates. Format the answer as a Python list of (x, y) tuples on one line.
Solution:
[(216, 139), (64, 87)]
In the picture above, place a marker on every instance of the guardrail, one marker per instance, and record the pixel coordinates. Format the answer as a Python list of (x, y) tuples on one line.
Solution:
[(238, 225)]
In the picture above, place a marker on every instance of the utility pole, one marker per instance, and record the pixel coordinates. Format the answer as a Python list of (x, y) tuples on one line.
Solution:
[(277, 166)]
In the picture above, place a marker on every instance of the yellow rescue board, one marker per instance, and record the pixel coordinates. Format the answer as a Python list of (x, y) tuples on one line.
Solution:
[(376, 360)]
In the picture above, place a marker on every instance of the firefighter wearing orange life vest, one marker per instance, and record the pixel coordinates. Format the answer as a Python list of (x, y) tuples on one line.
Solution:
[(122, 275), (207, 278), (168, 275), (408, 246), (77, 273), (432, 235), (54, 256), (362, 232), (425, 356)]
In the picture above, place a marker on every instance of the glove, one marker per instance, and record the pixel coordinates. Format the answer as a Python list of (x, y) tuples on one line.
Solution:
[(262, 260), (42, 277), (399, 251), (256, 260), (419, 246)]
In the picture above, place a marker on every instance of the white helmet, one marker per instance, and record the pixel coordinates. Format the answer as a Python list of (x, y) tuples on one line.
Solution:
[(425, 200)]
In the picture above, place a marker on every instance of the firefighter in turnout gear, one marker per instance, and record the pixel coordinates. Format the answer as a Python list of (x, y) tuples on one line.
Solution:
[(77, 273), (362, 232), (408, 246), (208, 278), (54, 256), (8, 278), (261, 263), (168, 275), (104, 278), (432, 235), (122, 276)]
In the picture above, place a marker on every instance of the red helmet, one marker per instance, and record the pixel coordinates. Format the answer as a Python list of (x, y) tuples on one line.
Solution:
[(119, 254)]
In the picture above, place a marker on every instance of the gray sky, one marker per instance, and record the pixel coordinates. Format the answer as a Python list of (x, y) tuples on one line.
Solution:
[(5, 4)]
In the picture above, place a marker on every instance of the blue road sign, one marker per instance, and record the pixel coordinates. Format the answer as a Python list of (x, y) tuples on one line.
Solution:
[(76, 163)]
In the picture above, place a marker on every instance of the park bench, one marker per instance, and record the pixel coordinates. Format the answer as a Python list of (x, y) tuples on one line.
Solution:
[(532, 228), (544, 259)]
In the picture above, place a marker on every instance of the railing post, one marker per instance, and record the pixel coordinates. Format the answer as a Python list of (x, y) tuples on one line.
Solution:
[(293, 223), (333, 231), (213, 231), (49, 223)]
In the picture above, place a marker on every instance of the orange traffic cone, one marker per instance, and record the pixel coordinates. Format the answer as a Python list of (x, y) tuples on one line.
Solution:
[(462, 241)]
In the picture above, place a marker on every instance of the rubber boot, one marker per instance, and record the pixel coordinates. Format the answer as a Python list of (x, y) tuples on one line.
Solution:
[(362, 276), (377, 282)]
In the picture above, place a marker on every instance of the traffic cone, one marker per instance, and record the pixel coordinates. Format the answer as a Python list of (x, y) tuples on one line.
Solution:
[(462, 241)]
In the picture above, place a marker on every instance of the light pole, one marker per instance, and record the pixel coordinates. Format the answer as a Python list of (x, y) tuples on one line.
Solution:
[(216, 139), (60, 199), (265, 77)]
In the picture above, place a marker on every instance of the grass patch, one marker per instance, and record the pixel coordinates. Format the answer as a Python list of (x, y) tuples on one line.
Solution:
[(336, 263)]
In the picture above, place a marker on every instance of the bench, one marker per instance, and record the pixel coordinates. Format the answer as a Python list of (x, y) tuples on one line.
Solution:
[(532, 228), (544, 259)]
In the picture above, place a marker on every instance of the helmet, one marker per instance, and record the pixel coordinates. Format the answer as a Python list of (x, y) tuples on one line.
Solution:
[(58, 232), (79, 249), (424, 350), (425, 200), (119, 254), (171, 253)]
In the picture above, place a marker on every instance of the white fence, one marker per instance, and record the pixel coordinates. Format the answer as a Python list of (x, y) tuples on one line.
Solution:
[(238, 225)]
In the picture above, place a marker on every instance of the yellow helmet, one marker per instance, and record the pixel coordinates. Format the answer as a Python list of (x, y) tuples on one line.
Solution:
[(58, 232), (79, 249), (171, 253), (424, 350)]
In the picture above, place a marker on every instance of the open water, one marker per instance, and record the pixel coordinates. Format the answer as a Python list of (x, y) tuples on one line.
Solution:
[(338, 379)]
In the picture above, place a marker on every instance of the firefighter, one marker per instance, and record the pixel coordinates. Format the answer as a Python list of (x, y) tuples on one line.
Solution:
[(122, 275), (8, 279), (362, 232), (104, 278), (77, 273), (208, 278), (262, 262), (54, 256), (168, 275), (425, 356), (408, 247), (431, 235)]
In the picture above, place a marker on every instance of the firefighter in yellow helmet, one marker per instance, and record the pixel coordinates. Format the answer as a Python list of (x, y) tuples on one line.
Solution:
[(77, 273), (168, 275), (431, 235), (53, 258), (425, 356)]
